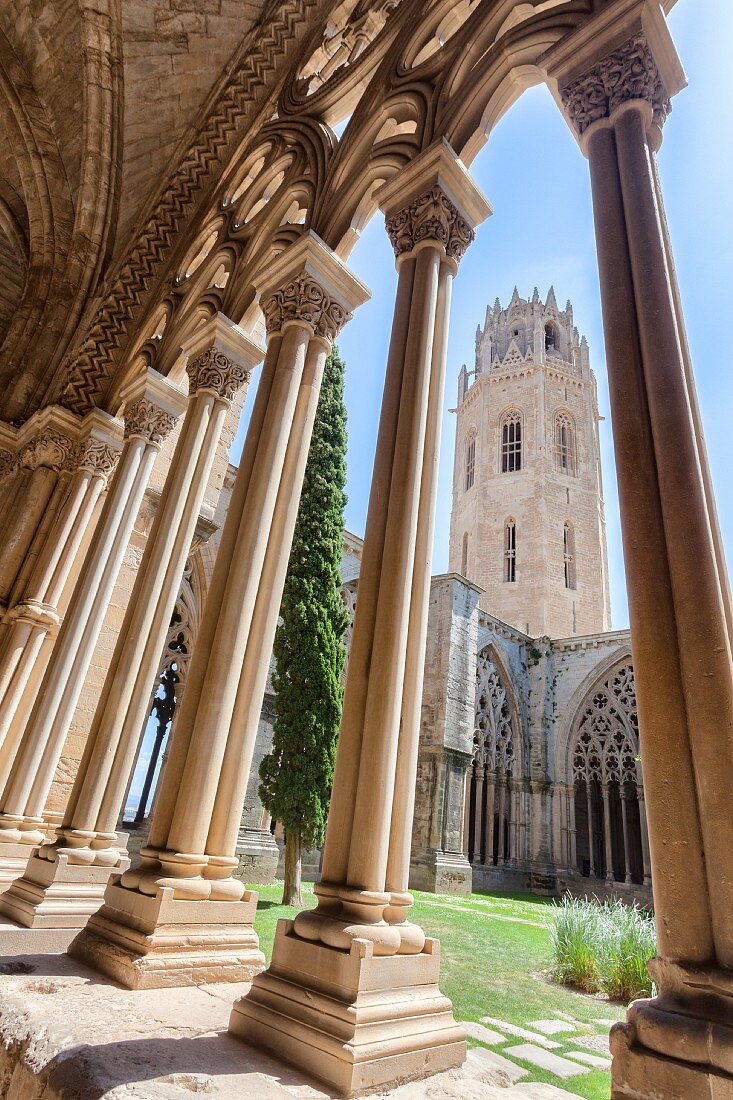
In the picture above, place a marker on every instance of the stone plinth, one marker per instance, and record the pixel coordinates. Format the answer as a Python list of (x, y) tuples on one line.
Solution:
[(258, 855), (440, 873), (356, 1021), (160, 941), (56, 893)]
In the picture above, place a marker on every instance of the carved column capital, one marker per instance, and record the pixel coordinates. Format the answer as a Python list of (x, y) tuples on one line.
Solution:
[(303, 299), (432, 216), (146, 419), (7, 463), (97, 456), (215, 371), (629, 73), (49, 448)]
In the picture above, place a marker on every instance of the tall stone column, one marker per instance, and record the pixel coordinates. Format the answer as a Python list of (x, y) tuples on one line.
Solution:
[(358, 944), (151, 406), (85, 455), (65, 880), (182, 912), (616, 86)]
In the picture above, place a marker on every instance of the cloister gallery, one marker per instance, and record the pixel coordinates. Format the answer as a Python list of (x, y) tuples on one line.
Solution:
[(159, 241)]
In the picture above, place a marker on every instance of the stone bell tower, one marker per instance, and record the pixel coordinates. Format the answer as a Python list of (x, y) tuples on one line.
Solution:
[(528, 523)]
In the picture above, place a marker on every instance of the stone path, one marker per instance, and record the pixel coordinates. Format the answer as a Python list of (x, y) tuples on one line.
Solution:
[(559, 1055)]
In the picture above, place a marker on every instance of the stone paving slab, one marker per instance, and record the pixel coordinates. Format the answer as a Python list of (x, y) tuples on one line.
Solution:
[(551, 1027), (483, 1034), (522, 1033), (480, 1057), (597, 1043), (590, 1059), (545, 1059), (605, 1022)]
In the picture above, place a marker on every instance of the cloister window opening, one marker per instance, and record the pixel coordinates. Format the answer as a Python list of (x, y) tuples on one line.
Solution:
[(470, 463), (565, 449), (511, 443), (510, 552), (608, 809), (492, 814), (568, 551)]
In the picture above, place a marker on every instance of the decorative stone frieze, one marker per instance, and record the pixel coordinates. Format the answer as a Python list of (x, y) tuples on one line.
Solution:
[(304, 299), (148, 420), (431, 216), (628, 73), (215, 371)]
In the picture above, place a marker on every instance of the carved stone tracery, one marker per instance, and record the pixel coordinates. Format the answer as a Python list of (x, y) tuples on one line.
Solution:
[(213, 370), (607, 742), (431, 216), (493, 737), (148, 420), (304, 299), (629, 73)]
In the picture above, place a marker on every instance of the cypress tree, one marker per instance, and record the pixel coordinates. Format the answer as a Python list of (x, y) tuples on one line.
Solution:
[(296, 775)]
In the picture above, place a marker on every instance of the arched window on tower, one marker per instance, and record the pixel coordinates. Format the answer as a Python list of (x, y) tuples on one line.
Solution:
[(510, 551), (511, 442), (552, 339), (464, 555), (565, 448), (568, 553), (470, 473)]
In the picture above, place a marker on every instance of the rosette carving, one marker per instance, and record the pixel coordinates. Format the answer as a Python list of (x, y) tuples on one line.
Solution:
[(431, 216), (49, 448), (304, 299), (213, 370), (629, 73), (148, 420)]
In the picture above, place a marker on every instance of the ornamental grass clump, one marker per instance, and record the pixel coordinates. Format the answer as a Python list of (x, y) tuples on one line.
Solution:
[(603, 947)]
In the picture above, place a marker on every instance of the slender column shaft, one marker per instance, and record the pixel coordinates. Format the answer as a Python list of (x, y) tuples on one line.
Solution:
[(227, 811), (698, 596), (487, 845), (142, 805), (31, 776), (192, 816), (175, 762), (23, 522), (607, 833), (501, 813), (348, 754), (624, 819), (591, 855), (643, 828), (403, 805), (478, 813), (573, 849), (96, 798), (680, 887), (373, 806), (465, 820)]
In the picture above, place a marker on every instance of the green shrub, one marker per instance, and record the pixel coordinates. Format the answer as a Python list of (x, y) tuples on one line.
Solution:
[(603, 946)]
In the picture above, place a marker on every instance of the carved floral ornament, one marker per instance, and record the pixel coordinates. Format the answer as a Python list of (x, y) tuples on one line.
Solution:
[(215, 371), (96, 456), (431, 216), (303, 299), (49, 448), (629, 73), (148, 420)]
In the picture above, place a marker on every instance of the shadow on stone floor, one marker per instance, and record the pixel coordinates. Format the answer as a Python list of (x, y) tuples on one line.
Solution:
[(90, 1072), (50, 966)]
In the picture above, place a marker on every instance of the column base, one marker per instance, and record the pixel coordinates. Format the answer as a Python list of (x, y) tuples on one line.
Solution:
[(56, 893), (155, 942), (353, 1020), (641, 1074), (678, 1044), (13, 862), (441, 872), (258, 856)]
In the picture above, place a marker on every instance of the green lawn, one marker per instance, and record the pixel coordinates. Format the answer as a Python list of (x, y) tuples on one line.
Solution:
[(495, 957)]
